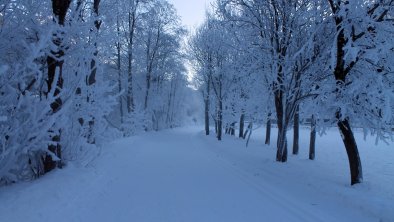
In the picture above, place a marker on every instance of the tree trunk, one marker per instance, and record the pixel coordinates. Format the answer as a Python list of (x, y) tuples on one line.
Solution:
[(55, 60), (312, 139), (248, 133), (207, 114), (207, 102), (97, 23), (241, 126), (206, 117), (91, 79), (232, 129), (340, 72), (216, 126), (296, 131), (130, 96), (132, 26), (281, 154), (148, 76), (168, 122), (346, 132), (119, 71), (220, 120), (268, 130), (219, 107)]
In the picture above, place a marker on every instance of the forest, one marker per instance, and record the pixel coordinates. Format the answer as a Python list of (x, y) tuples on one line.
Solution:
[(77, 74), (321, 63), (268, 110)]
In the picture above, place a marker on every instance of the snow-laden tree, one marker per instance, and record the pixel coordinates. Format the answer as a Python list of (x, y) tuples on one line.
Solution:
[(225, 75), (26, 117), (161, 63), (333, 57), (47, 59), (211, 52), (149, 66), (284, 33), (361, 87), (200, 55)]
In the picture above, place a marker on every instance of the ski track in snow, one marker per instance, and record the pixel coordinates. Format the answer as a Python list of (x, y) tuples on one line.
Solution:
[(274, 197), (182, 175)]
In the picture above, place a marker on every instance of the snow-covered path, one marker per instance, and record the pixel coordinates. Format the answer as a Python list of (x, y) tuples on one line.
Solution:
[(175, 175)]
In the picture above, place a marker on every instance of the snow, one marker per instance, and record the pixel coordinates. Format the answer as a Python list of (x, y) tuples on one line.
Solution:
[(183, 175), (3, 69), (3, 118)]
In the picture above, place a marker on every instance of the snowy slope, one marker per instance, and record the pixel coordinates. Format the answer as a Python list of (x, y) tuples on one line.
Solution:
[(182, 175)]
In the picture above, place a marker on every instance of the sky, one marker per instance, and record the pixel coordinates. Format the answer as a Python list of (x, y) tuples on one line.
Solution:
[(192, 12)]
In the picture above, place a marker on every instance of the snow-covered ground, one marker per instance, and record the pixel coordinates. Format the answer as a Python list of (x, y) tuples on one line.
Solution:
[(183, 175)]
